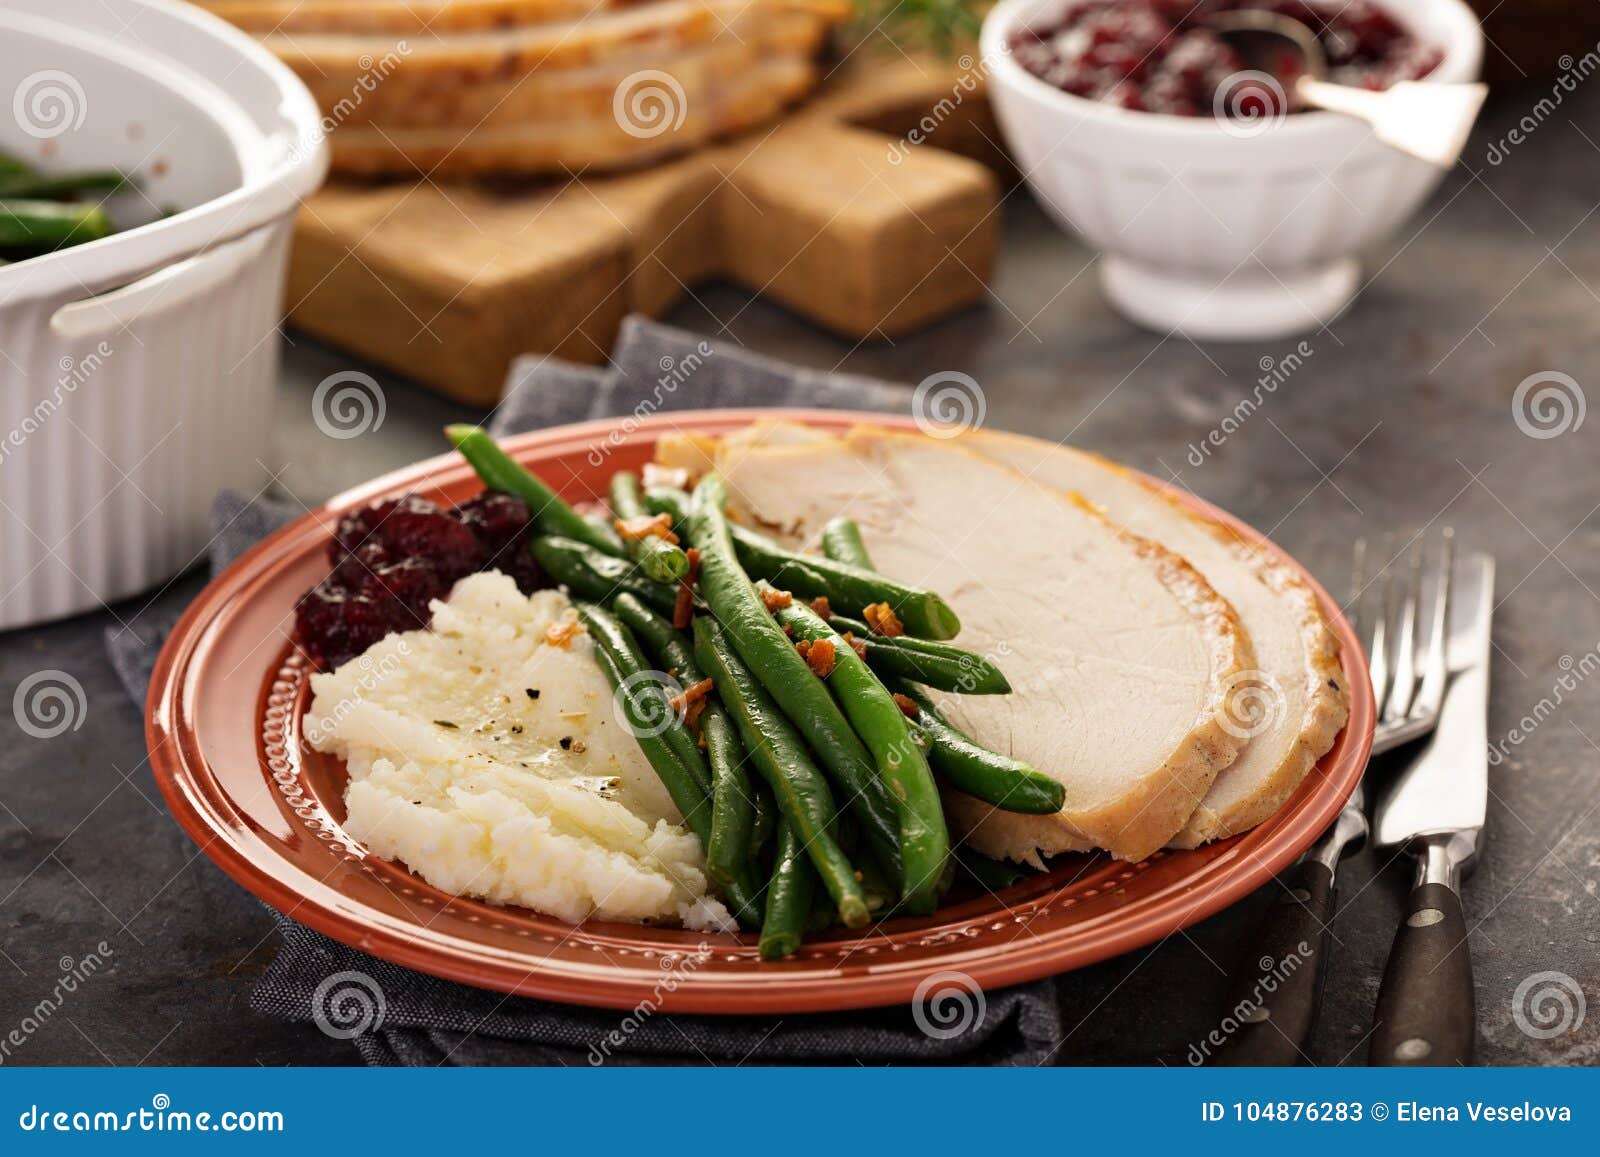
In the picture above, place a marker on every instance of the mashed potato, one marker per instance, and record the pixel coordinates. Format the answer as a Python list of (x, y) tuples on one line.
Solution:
[(489, 761)]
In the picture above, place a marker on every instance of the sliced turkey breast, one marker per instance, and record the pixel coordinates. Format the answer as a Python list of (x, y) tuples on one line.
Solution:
[(1293, 705), (1119, 654), (716, 106), (417, 17)]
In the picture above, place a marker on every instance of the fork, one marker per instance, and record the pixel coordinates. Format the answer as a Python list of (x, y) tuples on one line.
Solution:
[(1275, 995)]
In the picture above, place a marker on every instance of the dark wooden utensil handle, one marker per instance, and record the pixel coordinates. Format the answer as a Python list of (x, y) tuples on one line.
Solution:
[(1426, 1011), (1275, 994)]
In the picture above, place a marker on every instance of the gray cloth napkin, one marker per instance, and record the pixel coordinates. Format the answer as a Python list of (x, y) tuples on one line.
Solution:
[(426, 1021)]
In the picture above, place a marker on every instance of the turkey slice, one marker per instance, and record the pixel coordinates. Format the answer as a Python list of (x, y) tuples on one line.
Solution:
[(1119, 653), (715, 107), (1292, 707)]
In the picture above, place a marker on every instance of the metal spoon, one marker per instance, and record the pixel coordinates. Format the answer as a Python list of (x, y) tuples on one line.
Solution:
[(1426, 119)]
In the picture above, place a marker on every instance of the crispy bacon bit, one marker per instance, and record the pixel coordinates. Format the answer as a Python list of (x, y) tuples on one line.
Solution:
[(691, 701), (646, 526), (820, 607), (820, 658), (775, 600), (856, 645), (683, 606), (561, 634), (907, 705), (882, 619)]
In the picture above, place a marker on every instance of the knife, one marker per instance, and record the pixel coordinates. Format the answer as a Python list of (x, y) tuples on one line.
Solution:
[(1434, 811)]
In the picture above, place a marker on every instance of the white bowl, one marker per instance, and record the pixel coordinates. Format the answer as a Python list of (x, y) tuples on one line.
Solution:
[(1215, 229), (137, 372)]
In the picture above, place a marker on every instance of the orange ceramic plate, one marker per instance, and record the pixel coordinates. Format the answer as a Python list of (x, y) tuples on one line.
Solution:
[(224, 734)]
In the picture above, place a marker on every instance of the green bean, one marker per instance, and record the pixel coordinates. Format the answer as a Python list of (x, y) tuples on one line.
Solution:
[(933, 664), (849, 588), (770, 654), (49, 186), (789, 896), (593, 575), (670, 646), (765, 820), (643, 704), (51, 223), (499, 471), (883, 727), (661, 560), (732, 801), (11, 166), (667, 500), (610, 635), (1009, 784), (991, 875), (841, 541), (780, 755)]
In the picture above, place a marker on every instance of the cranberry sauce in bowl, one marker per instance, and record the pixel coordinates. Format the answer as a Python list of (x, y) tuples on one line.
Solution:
[(1158, 55)]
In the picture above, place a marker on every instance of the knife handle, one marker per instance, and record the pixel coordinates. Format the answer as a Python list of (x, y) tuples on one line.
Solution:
[(1426, 1011), (1275, 993)]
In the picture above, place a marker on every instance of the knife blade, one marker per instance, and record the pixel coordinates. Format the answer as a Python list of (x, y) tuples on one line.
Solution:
[(1426, 1011)]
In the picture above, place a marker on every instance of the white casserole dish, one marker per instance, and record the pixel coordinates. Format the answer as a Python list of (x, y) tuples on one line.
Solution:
[(137, 371), (1216, 229)]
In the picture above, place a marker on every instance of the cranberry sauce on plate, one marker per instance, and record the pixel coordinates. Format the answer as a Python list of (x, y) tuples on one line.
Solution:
[(393, 557), (1158, 56)]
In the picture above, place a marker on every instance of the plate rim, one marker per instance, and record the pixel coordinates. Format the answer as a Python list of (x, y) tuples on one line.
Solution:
[(211, 821)]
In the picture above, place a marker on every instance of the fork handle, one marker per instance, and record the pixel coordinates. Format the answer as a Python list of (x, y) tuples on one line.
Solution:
[(1426, 1012), (1273, 1001)]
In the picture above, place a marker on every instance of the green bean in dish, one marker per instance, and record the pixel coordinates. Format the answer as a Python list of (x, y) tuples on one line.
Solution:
[(778, 752), (902, 768), (38, 224), (499, 471), (942, 666), (1008, 784), (789, 896), (666, 744), (770, 654), (618, 642), (849, 589), (990, 875), (26, 184), (728, 849), (660, 557), (841, 541), (596, 576)]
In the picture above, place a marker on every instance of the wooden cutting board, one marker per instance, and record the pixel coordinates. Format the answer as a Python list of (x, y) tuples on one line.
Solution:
[(831, 213)]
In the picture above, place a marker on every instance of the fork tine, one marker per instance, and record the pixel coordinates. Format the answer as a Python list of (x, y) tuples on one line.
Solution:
[(1378, 634), (1436, 659), (1405, 660)]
